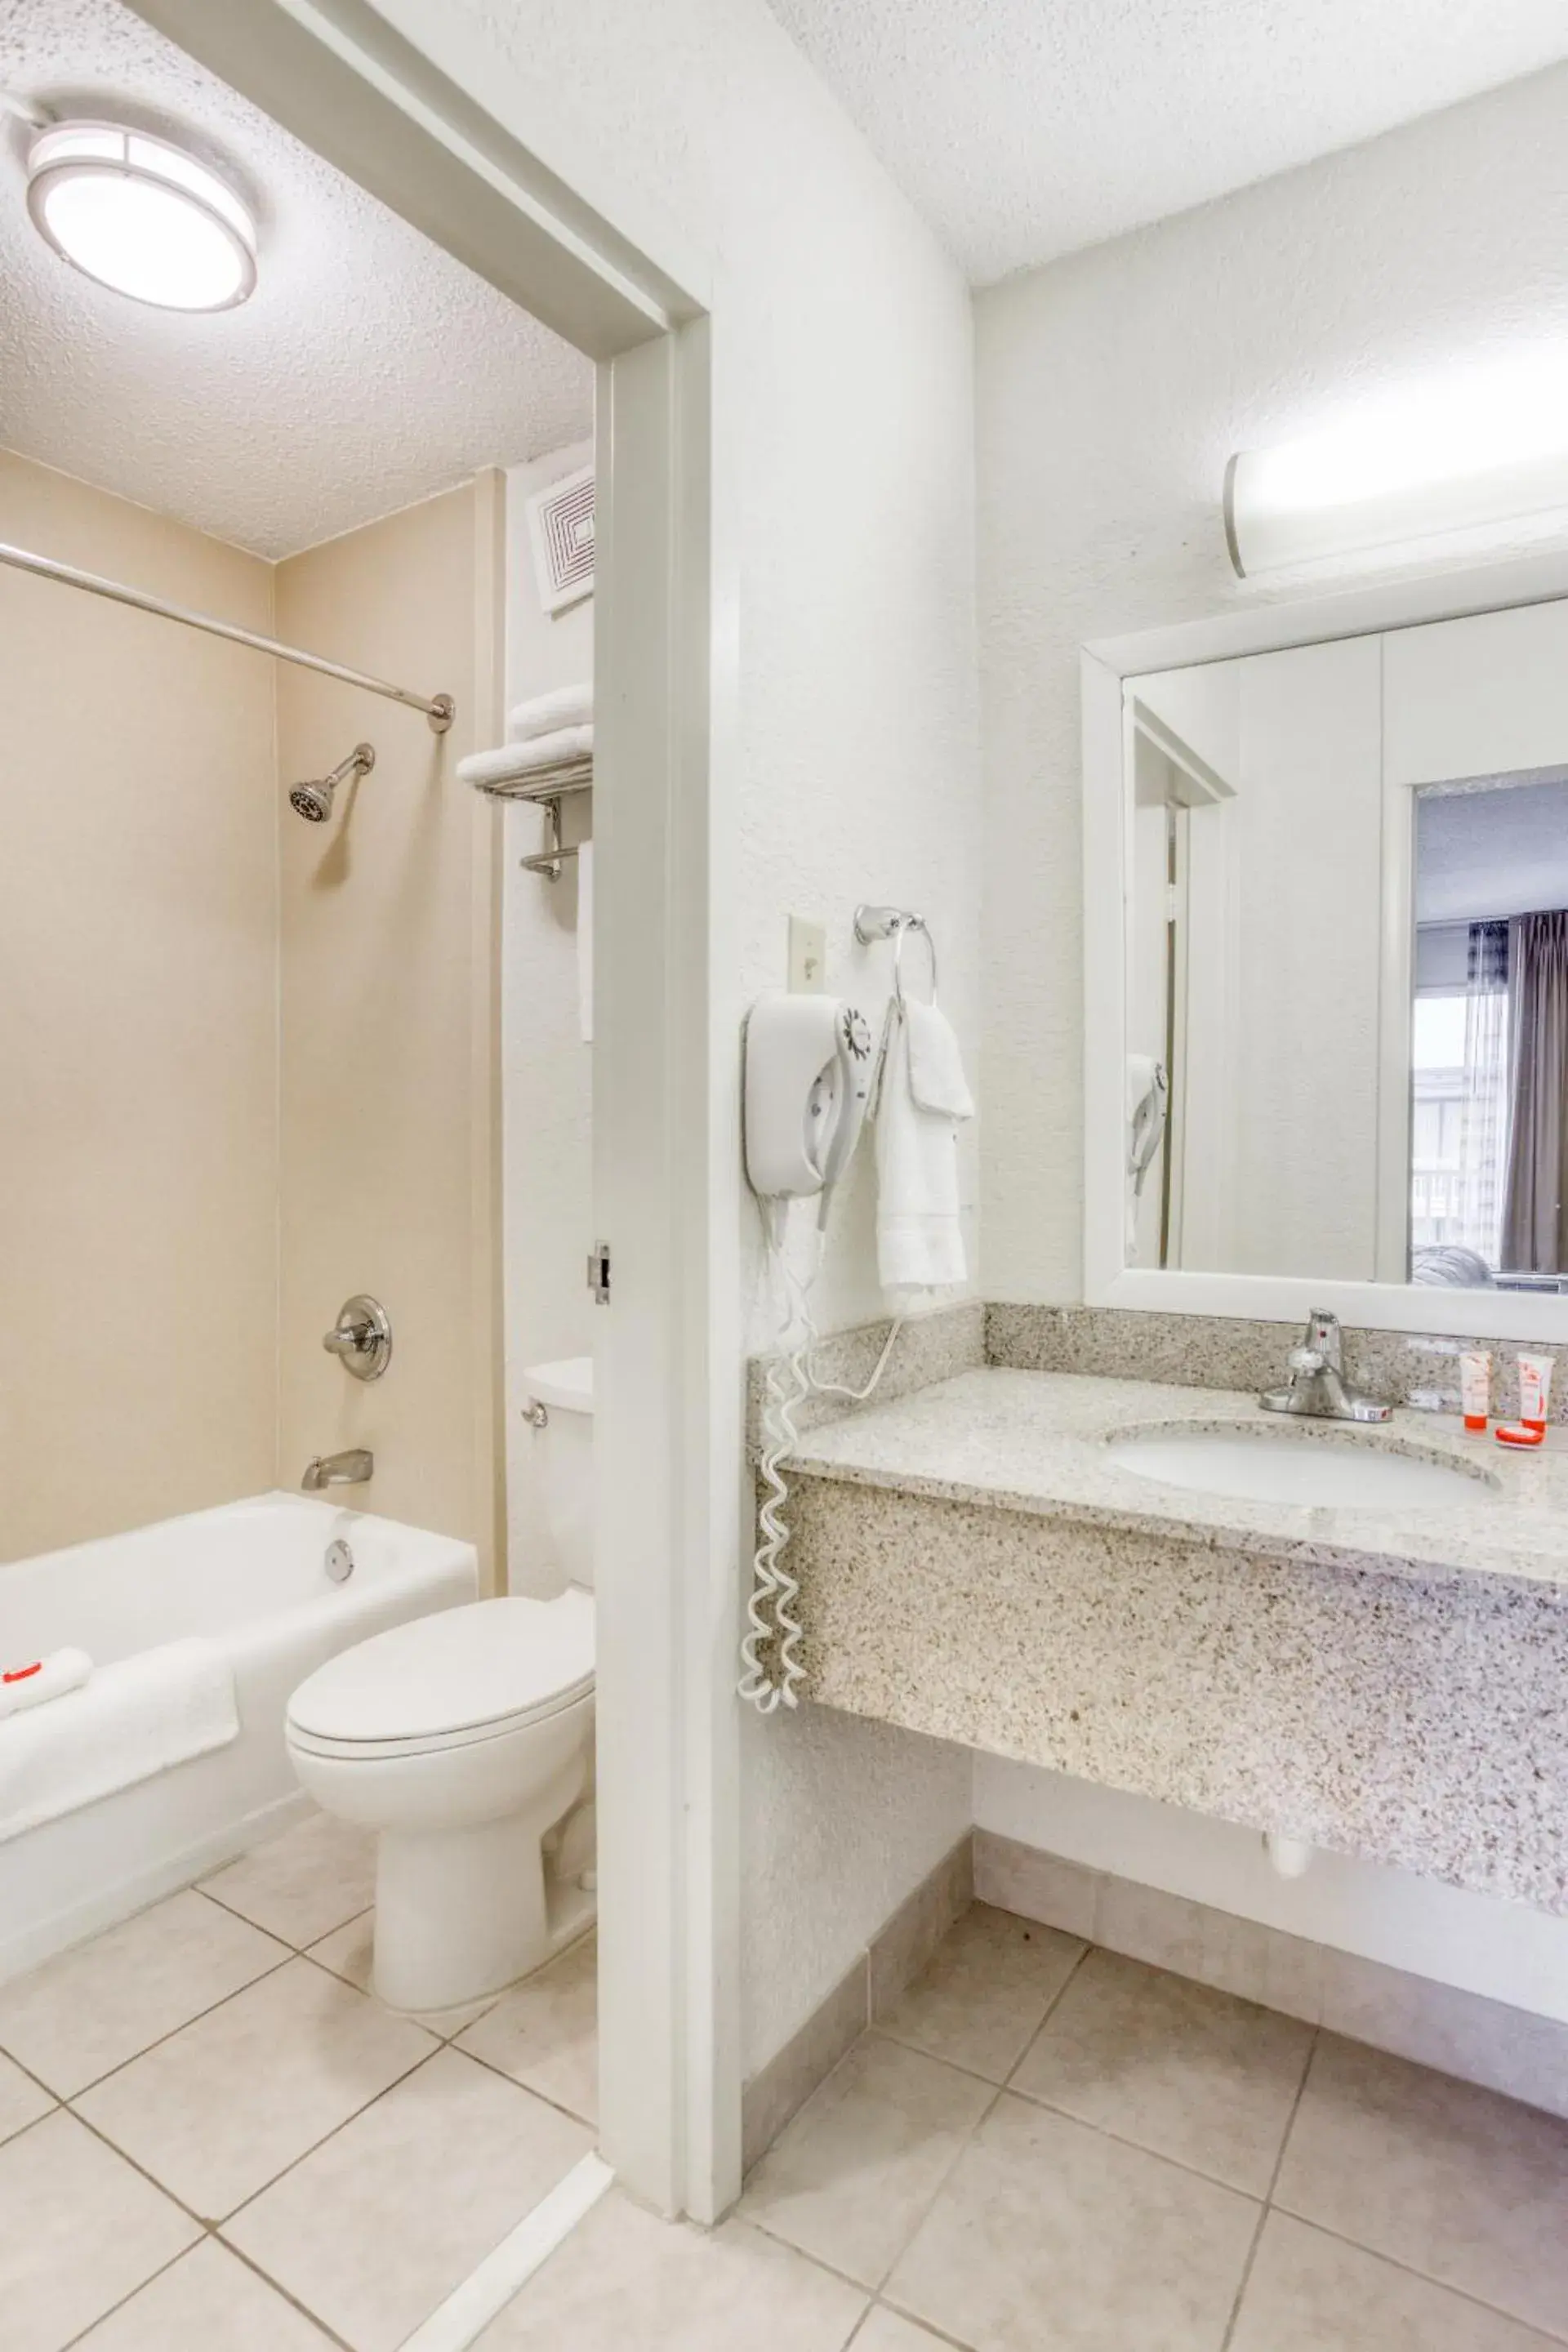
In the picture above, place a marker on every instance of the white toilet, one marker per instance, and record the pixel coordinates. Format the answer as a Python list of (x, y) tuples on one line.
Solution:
[(464, 1739)]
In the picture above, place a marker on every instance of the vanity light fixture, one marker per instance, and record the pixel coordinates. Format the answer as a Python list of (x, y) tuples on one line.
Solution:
[(141, 216), (1490, 450)]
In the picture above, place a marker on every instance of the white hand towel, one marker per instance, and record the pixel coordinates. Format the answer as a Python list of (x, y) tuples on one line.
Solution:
[(34, 1681), (920, 1233), (568, 705), (511, 761), (585, 940), (1147, 1098), (132, 1720)]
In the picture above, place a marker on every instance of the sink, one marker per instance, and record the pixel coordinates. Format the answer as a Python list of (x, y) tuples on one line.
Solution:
[(1259, 1467)]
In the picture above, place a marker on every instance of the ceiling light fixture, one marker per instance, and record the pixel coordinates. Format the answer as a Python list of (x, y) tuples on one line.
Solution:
[(1471, 455), (141, 216)]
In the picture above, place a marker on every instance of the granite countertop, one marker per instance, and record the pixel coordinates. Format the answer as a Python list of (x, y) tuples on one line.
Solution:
[(1036, 1442)]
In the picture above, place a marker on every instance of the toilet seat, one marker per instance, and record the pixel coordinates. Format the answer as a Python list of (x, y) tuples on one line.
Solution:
[(450, 1680)]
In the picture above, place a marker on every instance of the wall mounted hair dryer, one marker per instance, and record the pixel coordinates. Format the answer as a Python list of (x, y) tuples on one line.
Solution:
[(808, 1081)]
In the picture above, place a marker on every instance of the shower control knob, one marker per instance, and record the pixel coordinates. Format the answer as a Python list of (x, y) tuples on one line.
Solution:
[(361, 1339)]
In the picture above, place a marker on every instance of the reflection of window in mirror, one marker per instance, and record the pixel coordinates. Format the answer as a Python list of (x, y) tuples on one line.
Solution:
[(1489, 1044)]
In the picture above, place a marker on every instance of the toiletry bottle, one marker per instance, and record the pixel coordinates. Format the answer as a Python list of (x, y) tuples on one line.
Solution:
[(1475, 1387)]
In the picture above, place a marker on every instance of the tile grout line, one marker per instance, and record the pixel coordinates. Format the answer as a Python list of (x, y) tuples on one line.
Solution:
[(1268, 2206), (1423, 2278), (67, 2098)]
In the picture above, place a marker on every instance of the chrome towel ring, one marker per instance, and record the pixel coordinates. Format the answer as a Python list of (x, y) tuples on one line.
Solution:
[(895, 923)]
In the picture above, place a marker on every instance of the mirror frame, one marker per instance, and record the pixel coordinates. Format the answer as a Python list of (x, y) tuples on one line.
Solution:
[(1106, 665)]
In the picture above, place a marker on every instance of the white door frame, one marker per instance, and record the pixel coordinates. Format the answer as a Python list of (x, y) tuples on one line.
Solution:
[(666, 1160)]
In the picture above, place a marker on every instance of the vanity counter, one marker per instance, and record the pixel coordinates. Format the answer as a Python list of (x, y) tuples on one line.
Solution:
[(1039, 1443), (1388, 1682)]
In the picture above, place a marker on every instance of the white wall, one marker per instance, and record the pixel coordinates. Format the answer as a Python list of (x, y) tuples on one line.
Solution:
[(845, 395), (547, 1207), (1111, 388)]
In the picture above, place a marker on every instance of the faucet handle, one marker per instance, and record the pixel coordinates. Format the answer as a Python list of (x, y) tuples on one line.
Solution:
[(1307, 1360), (361, 1339)]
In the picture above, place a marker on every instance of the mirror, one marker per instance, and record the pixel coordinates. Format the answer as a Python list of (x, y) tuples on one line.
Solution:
[(1346, 959)]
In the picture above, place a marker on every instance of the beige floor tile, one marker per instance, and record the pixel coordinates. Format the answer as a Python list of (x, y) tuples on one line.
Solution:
[(208, 2301), (88, 2010), (1309, 2292), (1459, 2183), (22, 2101), (851, 2176), (546, 2032), (349, 1953), (1048, 2232), (885, 2332), (988, 1986), (79, 2228), (383, 2221), (218, 2110), (304, 1883), (1190, 2073), (624, 2282)]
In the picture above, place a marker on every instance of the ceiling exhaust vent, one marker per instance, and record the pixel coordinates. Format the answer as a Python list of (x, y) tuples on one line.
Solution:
[(560, 526)]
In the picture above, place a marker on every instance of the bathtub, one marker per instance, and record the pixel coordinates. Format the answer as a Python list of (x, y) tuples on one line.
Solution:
[(252, 1576)]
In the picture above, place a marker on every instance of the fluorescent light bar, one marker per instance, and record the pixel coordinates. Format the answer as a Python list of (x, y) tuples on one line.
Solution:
[(1487, 453)]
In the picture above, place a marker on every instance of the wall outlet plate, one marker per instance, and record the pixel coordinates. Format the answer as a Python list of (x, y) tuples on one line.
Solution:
[(807, 957)]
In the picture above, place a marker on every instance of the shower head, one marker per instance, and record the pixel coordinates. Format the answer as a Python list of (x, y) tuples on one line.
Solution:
[(313, 801)]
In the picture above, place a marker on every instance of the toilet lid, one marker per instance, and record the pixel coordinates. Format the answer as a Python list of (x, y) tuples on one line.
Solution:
[(488, 1662)]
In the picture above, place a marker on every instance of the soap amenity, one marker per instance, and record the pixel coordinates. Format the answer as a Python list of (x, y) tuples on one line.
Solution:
[(1475, 1387), (1534, 1389), (33, 1682)]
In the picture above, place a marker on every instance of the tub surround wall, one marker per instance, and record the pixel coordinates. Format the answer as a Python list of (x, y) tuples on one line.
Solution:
[(388, 1108), (138, 909)]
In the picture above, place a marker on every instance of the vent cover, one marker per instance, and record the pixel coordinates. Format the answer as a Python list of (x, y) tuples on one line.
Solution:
[(560, 526)]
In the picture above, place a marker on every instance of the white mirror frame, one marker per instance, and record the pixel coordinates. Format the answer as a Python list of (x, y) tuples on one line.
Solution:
[(1106, 666)]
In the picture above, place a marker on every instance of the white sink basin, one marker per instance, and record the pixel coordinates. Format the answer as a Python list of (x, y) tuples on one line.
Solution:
[(1259, 1467)]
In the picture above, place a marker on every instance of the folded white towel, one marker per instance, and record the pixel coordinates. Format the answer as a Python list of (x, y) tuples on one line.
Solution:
[(35, 1681), (568, 705), (585, 940), (920, 1233), (511, 761), (132, 1719)]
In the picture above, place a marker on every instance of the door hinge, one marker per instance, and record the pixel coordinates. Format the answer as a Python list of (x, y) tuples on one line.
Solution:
[(599, 1273)]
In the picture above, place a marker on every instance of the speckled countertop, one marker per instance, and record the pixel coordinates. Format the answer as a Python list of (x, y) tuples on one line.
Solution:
[(1038, 1442)]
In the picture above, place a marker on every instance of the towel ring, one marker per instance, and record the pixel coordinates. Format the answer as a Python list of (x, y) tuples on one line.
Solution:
[(893, 923)]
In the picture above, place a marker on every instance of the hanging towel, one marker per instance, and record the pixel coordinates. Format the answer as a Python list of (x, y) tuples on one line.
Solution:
[(34, 1681), (1148, 1099), (568, 705), (921, 1097), (585, 939), (132, 1720), (512, 761)]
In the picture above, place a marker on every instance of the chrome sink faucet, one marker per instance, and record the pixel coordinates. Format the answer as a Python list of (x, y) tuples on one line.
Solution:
[(350, 1469), (1317, 1384)]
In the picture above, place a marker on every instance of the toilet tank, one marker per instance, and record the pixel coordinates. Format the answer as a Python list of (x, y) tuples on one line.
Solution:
[(565, 1390)]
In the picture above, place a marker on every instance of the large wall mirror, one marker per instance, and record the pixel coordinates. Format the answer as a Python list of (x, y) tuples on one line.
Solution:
[(1343, 973)]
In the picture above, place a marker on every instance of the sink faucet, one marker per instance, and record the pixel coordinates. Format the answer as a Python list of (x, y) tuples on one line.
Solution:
[(350, 1469), (1317, 1384)]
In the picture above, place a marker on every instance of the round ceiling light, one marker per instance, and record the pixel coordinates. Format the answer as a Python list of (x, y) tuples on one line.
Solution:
[(141, 216)]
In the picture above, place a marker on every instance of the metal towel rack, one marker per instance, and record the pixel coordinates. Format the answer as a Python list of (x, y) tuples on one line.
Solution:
[(440, 708), (547, 788), (895, 923)]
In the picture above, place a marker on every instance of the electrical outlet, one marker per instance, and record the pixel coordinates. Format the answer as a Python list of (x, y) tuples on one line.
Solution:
[(807, 957)]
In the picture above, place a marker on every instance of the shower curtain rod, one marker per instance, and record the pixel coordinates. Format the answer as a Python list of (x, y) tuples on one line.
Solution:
[(439, 711)]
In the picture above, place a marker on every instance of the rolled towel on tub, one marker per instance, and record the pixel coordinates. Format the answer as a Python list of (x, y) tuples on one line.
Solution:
[(131, 1720), (37, 1680)]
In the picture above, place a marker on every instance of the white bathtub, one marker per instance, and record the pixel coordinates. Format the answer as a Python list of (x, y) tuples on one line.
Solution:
[(252, 1576)]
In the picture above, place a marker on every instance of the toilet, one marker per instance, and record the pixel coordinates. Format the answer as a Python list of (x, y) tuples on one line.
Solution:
[(465, 1740)]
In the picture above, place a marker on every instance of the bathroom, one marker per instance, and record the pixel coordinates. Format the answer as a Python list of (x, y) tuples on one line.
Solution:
[(912, 571)]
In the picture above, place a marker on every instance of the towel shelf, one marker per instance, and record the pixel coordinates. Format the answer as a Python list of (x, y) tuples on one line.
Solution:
[(546, 788)]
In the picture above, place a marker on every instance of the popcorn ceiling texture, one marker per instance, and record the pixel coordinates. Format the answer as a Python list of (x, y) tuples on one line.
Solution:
[(1112, 390), (369, 369), (1022, 132)]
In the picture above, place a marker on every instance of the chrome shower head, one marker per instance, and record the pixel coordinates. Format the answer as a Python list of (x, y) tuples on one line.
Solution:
[(313, 801)]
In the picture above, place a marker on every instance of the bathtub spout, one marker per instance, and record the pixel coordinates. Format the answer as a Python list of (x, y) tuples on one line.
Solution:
[(350, 1469)]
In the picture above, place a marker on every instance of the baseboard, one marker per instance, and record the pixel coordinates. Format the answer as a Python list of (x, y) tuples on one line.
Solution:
[(1461, 2033), (868, 1989)]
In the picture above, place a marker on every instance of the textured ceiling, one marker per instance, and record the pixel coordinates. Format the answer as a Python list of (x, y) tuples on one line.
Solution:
[(368, 370), (1488, 854), (1024, 129)]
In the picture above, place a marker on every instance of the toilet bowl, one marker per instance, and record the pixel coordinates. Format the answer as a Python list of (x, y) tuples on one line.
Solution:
[(464, 1740)]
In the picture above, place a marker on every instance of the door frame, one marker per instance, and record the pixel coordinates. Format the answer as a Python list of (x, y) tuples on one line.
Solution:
[(669, 1453)]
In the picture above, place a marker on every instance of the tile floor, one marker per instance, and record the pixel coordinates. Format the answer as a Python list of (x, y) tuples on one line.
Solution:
[(1049, 2148), (213, 2139)]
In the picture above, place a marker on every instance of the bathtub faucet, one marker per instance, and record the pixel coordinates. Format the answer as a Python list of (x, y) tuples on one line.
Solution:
[(350, 1469)]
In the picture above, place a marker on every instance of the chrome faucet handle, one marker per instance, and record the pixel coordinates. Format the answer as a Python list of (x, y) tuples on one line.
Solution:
[(1307, 1360), (361, 1339)]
